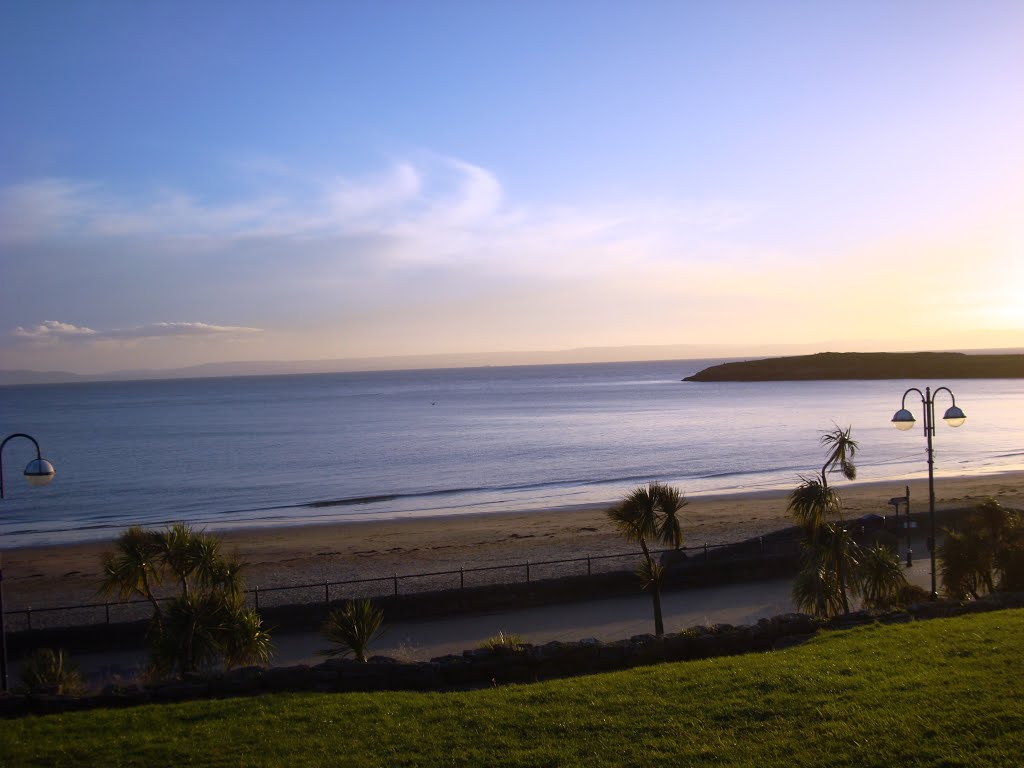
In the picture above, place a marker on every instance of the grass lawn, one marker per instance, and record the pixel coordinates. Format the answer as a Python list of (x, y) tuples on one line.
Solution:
[(942, 693)]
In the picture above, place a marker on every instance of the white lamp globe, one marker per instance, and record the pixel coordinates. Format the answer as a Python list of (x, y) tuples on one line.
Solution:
[(903, 420), (39, 472)]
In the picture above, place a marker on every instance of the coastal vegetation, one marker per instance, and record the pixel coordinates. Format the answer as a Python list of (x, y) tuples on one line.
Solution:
[(832, 564), (868, 365), (351, 628), (940, 692), (985, 554), (510, 641), (46, 669), (199, 621), (881, 582), (651, 515)]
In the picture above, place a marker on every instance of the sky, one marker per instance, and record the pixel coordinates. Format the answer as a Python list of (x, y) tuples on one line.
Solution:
[(187, 182)]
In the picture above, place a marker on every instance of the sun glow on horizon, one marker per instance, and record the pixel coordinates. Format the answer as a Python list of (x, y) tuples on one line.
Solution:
[(765, 183)]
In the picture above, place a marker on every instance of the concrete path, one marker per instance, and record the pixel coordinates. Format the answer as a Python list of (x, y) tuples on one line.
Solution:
[(604, 619)]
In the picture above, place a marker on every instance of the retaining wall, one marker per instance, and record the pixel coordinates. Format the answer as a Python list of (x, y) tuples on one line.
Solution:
[(482, 668)]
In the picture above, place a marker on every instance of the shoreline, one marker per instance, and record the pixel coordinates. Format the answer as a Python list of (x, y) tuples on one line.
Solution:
[(61, 575), (456, 514)]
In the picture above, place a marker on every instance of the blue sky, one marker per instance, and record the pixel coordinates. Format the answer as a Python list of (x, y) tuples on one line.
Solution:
[(194, 182)]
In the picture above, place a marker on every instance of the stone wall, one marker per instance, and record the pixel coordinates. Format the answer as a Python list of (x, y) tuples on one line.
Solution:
[(483, 668)]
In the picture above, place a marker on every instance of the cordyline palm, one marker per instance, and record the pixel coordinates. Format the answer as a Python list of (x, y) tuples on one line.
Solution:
[(815, 590), (812, 503), (245, 640), (134, 568), (961, 566), (351, 628), (840, 553), (986, 555), (879, 578), (651, 514), (204, 619), (820, 585)]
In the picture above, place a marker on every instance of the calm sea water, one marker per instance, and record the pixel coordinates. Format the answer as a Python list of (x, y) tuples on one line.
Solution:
[(279, 450)]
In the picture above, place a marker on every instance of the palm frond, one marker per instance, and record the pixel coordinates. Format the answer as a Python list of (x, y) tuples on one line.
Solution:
[(816, 590), (352, 628), (811, 503), (244, 640), (879, 578), (649, 572), (841, 450), (669, 526), (133, 567)]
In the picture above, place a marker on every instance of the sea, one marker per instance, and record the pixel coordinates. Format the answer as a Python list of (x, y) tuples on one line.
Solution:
[(223, 453)]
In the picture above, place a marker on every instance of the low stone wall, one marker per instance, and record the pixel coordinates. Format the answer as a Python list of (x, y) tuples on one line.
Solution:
[(483, 668)]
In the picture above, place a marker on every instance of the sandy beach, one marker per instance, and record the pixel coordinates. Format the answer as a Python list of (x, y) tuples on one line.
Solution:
[(68, 575)]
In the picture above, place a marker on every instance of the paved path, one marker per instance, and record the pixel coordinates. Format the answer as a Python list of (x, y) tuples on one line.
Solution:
[(604, 619)]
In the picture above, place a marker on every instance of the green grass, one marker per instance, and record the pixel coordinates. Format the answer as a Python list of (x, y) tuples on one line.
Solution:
[(940, 693)]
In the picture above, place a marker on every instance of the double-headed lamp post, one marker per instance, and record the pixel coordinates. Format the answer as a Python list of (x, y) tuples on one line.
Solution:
[(904, 420), (38, 472)]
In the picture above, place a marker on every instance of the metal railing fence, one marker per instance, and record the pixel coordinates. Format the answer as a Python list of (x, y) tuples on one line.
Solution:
[(326, 592)]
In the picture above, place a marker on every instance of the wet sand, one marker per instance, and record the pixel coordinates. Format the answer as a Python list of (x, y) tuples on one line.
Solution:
[(68, 575)]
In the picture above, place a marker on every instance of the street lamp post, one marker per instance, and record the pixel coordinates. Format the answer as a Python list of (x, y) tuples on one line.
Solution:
[(38, 472), (904, 420)]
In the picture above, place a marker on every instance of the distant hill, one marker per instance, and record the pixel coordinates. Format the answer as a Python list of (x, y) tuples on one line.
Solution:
[(403, 362), (23, 376), (697, 352), (868, 365)]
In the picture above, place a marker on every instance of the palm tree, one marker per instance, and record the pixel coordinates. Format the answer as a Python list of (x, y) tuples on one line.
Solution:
[(204, 618), (812, 503), (133, 568), (841, 450), (827, 567), (351, 628), (245, 640), (814, 589), (987, 555), (645, 515), (1010, 562), (879, 578), (960, 566), (841, 553)]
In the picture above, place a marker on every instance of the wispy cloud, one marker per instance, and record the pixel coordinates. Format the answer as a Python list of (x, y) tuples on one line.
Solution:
[(57, 331), (439, 210), (429, 254)]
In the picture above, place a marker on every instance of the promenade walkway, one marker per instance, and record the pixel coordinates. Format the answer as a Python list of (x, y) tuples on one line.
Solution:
[(604, 619)]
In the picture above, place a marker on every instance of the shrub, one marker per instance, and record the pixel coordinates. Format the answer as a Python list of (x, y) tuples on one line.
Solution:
[(203, 621), (910, 594), (879, 577), (48, 670), (987, 555), (503, 640), (351, 628)]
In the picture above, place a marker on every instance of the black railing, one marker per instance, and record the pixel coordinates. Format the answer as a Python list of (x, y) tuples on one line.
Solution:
[(328, 591)]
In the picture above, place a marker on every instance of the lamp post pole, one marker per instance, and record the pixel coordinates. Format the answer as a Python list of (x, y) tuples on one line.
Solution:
[(904, 420), (38, 472)]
